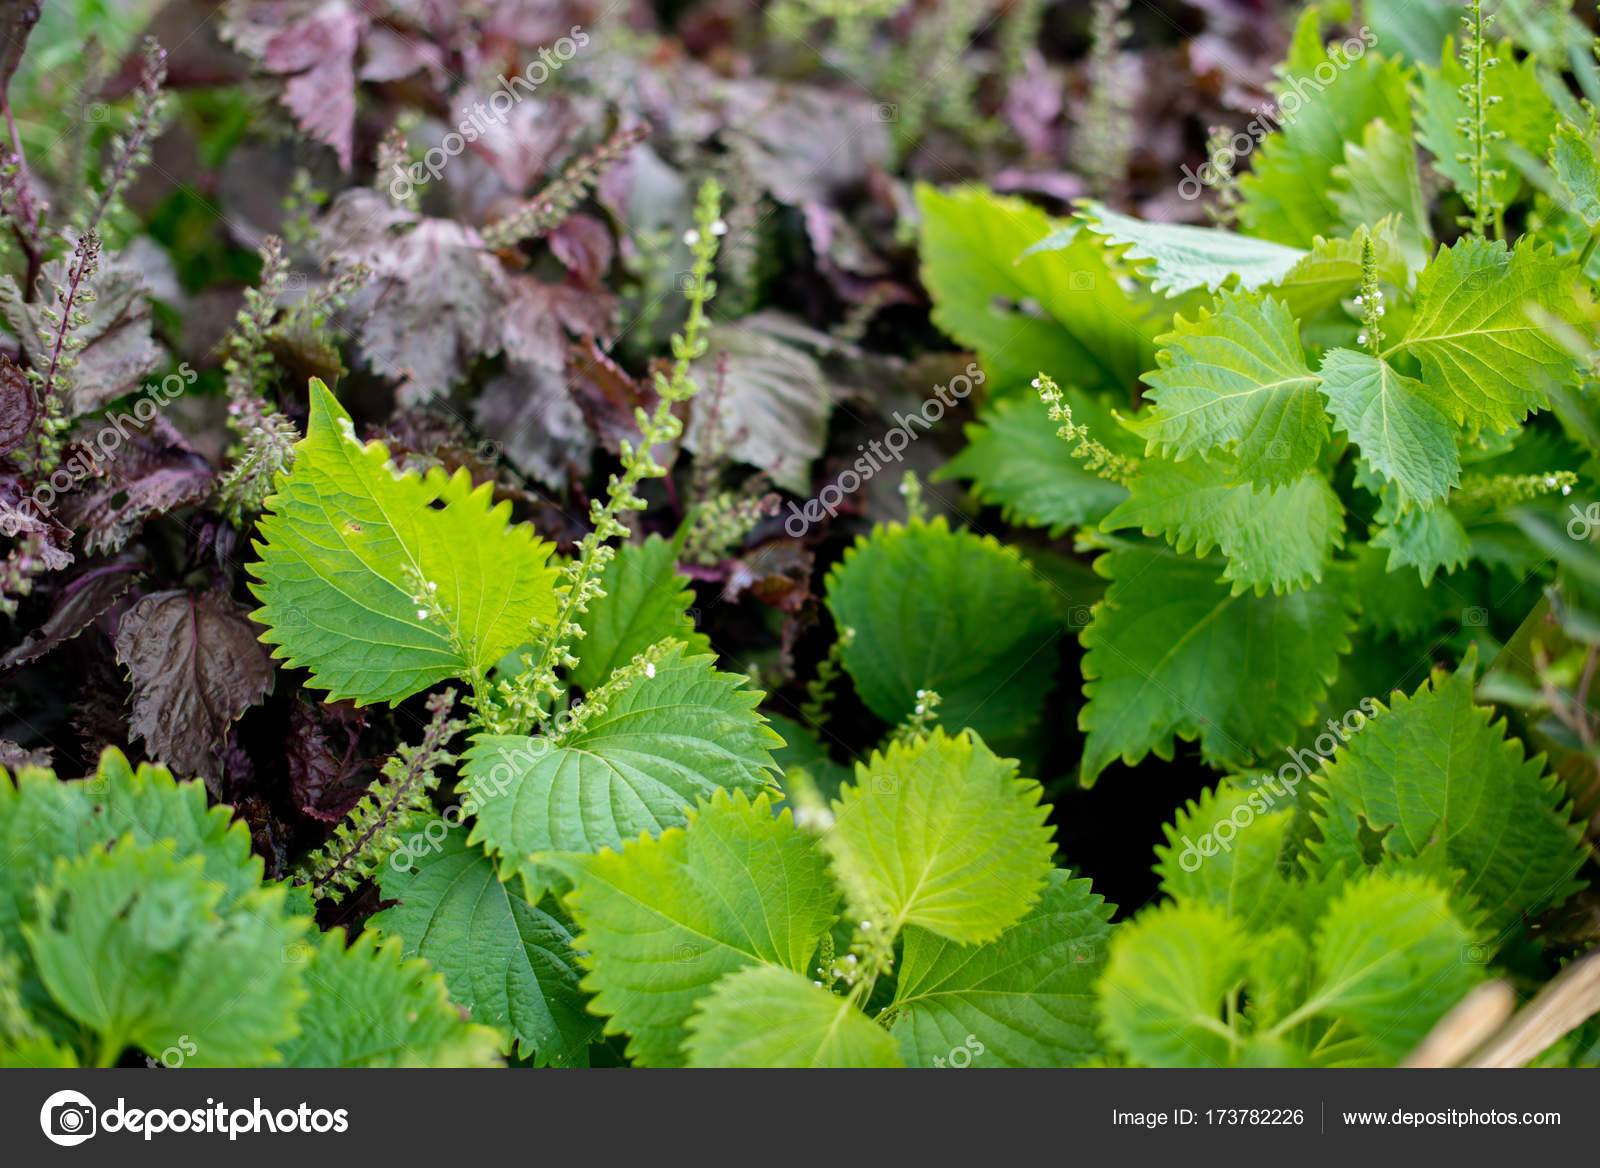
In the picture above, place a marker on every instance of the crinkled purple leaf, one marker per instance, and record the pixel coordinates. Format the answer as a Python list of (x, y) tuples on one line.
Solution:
[(196, 665)]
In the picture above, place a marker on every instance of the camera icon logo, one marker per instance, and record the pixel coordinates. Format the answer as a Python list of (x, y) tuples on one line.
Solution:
[(68, 1118)]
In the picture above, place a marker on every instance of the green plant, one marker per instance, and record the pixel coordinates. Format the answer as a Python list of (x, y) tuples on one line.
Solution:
[(132, 915), (384, 584), (1339, 937), (955, 924), (1336, 399)]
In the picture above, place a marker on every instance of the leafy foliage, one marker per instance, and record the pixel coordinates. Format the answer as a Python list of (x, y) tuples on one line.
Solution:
[(1184, 258), (1029, 993), (1025, 469), (664, 919), (972, 248), (1269, 471), (935, 609), (130, 943), (944, 837), (384, 584), (406, 1018), (1487, 358), (1237, 380), (1278, 538), (509, 962), (141, 920), (679, 732), (1356, 974), (1434, 776), (1172, 651), (645, 601), (1402, 434), (770, 1017)]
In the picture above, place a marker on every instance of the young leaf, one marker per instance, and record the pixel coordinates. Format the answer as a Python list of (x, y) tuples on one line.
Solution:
[(1402, 434), (1434, 773), (665, 919), (1426, 541), (383, 584), (1162, 994), (1172, 652), (943, 835), (1279, 538), (637, 765), (764, 1016), (1018, 461), (645, 601), (142, 949), (1486, 358), (1390, 957), (1029, 993), (1237, 379), (43, 819), (1225, 850), (1182, 258), (508, 962), (1332, 270), (371, 1007), (948, 611)]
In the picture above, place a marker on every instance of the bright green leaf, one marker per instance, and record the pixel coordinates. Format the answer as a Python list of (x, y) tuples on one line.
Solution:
[(1161, 997), (1288, 193), (636, 765), (1025, 999), (1391, 957), (1017, 460), (1237, 380), (1402, 434), (960, 614), (1181, 258), (371, 1007), (770, 1017), (665, 919), (942, 834), (1487, 358), (1172, 652), (139, 947), (1278, 538), (1058, 310), (1435, 771), (383, 584), (645, 602)]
